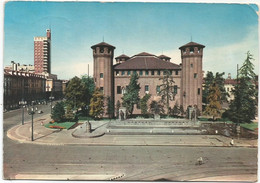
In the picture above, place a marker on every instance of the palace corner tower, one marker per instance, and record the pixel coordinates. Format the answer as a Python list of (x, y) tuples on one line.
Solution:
[(192, 76), (103, 54)]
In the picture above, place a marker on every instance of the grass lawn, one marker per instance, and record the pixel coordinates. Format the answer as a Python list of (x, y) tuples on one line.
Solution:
[(250, 126), (64, 125)]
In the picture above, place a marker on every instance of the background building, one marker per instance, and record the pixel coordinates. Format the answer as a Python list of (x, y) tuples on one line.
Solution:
[(23, 68), (20, 86)]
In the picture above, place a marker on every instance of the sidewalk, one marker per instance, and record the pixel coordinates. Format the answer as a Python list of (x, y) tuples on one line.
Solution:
[(45, 136)]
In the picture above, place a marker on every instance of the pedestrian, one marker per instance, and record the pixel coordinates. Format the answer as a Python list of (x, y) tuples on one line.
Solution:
[(232, 142), (200, 160)]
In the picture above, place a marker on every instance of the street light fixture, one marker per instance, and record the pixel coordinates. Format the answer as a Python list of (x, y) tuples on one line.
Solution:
[(23, 104), (31, 111), (51, 99)]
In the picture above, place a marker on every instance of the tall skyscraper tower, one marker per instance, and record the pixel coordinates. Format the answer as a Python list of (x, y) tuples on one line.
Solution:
[(103, 54), (42, 53), (192, 76)]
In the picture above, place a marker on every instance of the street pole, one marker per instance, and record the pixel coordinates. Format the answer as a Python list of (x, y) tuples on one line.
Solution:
[(51, 106), (32, 126), (22, 103), (23, 116), (32, 112)]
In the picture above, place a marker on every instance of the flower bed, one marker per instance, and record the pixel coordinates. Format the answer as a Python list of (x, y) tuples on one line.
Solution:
[(59, 127), (64, 125)]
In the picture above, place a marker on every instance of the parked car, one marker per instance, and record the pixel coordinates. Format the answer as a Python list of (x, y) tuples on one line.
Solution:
[(40, 111)]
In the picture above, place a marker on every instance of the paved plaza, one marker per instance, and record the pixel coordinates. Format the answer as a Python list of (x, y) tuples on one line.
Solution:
[(58, 155), (43, 135)]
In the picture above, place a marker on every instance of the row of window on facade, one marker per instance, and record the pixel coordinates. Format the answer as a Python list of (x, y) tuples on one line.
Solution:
[(191, 50), (146, 72), (101, 50), (122, 90)]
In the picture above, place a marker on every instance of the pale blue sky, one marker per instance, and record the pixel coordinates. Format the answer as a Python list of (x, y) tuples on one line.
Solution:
[(227, 30)]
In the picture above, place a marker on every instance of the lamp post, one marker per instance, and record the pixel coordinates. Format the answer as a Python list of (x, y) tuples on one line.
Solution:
[(31, 111), (51, 99), (22, 103)]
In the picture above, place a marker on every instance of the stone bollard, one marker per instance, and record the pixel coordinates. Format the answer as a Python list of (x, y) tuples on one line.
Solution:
[(88, 127)]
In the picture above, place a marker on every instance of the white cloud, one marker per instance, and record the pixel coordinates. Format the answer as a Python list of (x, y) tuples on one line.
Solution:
[(71, 69), (225, 58)]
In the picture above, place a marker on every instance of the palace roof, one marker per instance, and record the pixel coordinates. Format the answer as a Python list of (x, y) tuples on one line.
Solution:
[(145, 61)]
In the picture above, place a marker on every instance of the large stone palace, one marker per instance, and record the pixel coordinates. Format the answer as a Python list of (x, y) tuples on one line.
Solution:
[(113, 79)]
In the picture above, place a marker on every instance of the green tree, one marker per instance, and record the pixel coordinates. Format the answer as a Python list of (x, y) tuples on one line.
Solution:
[(167, 89), (243, 107), (131, 96), (75, 93), (110, 107), (97, 104), (214, 99), (181, 110), (176, 110), (69, 114), (143, 104), (89, 84), (217, 79), (118, 105), (156, 107), (58, 112)]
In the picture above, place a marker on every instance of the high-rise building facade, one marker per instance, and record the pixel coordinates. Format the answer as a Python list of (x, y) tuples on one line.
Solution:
[(42, 53)]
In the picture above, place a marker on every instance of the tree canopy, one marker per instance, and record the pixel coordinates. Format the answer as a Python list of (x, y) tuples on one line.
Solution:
[(243, 107), (219, 80), (75, 93), (58, 112), (214, 99), (167, 89), (97, 104), (143, 104), (131, 96)]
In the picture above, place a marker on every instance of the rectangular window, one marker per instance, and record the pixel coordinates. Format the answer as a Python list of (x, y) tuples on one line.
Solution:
[(175, 89), (170, 72), (164, 72), (146, 88), (140, 73), (122, 73), (101, 75), (176, 72), (128, 73), (146, 73), (152, 73), (134, 72), (198, 91), (158, 89), (191, 65), (102, 89), (118, 90), (195, 75), (158, 73), (117, 73)]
